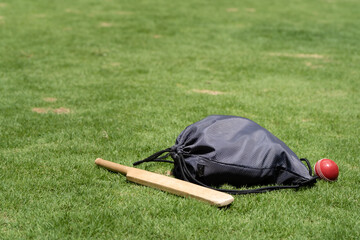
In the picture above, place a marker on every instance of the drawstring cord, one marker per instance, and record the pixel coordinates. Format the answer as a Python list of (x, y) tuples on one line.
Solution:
[(156, 157), (308, 165)]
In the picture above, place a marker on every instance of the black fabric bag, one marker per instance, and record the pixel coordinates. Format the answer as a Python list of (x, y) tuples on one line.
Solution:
[(237, 151)]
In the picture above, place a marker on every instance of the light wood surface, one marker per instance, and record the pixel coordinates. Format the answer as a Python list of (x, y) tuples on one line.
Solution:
[(169, 184)]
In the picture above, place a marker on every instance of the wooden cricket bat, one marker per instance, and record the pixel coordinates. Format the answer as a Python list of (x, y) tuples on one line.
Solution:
[(169, 184)]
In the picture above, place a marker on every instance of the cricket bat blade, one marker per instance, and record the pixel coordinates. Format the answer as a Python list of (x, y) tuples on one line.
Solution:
[(169, 184)]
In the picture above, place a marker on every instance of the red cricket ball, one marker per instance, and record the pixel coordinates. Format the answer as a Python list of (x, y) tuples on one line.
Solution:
[(327, 169)]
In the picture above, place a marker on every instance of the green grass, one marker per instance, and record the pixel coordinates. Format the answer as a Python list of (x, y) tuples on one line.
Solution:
[(129, 72)]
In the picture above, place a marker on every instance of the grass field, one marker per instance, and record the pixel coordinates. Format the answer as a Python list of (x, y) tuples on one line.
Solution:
[(121, 79)]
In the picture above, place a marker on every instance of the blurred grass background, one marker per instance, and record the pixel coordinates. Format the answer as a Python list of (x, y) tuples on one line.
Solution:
[(121, 79)]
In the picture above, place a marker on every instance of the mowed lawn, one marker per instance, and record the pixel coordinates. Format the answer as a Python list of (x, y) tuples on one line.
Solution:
[(121, 79)]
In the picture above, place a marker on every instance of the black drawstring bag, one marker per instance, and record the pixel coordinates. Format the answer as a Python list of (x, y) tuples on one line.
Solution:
[(236, 151)]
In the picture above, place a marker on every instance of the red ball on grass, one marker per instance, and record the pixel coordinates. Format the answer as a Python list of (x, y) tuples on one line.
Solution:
[(327, 169)]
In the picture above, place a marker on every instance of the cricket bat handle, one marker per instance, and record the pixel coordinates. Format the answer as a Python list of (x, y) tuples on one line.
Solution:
[(114, 167)]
